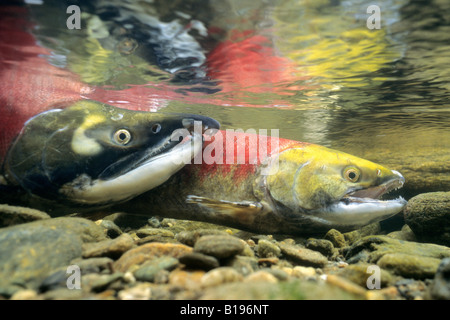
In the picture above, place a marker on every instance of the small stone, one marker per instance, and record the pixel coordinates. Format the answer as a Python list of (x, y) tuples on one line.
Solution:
[(371, 248), (93, 264), (108, 248), (404, 234), (303, 272), (197, 260), (346, 285), (148, 270), (190, 237), (409, 266), (303, 256), (190, 280), (142, 291), (267, 249), (280, 274), (336, 238), (25, 294), (99, 282), (110, 228), (440, 288), (128, 277), (220, 276), (360, 273), (12, 215), (163, 233), (261, 276), (244, 265), (323, 246), (268, 261), (154, 222), (149, 251), (411, 289), (371, 229), (219, 246), (63, 294)]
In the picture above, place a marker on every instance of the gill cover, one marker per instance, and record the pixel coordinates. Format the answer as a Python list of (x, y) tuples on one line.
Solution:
[(91, 153)]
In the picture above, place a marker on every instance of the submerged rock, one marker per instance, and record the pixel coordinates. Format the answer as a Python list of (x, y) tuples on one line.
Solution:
[(12, 215), (405, 258), (150, 251), (31, 251), (428, 215), (440, 288), (219, 246)]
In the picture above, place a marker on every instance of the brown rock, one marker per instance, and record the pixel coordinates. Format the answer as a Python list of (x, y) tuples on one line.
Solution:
[(303, 256), (141, 254), (108, 248)]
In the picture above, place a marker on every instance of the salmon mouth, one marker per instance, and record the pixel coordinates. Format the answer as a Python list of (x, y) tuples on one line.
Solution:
[(361, 207), (376, 192)]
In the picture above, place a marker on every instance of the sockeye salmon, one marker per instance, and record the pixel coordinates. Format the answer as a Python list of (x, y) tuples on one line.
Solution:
[(291, 187), (57, 145)]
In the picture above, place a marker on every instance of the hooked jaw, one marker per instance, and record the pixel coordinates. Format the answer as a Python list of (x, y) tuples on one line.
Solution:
[(361, 207), (151, 168)]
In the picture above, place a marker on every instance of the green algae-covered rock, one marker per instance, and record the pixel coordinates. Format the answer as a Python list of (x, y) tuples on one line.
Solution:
[(30, 251), (428, 215)]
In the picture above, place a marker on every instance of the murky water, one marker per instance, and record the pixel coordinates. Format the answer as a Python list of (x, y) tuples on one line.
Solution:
[(311, 69)]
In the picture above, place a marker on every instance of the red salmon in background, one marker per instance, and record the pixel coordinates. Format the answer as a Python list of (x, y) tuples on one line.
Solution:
[(29, 84)]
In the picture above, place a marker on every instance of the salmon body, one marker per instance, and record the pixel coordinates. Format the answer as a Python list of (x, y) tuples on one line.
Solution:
[(272, 185)]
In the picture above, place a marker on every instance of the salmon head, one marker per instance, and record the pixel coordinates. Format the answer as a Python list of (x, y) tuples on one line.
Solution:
[(325, 188), (92, 154)]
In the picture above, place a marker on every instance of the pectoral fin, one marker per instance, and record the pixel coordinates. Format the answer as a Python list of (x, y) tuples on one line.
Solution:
[(242, 211)]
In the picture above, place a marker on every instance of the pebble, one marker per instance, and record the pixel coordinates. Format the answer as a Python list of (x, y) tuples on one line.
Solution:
[(261, 275), (323, 246), (110, 228), (142, 291), (336, 238), (440, 288), (219, 246), (93, 264), (371, 248), (149, 251), (404, 234), (99, 282), (155, 232), (25, 294), (149, 270), (219, 276), (197, 260), (409, 266), (190, 237), (303, 272), (13, 215), (108, 248), (411, 289), (360, 273), (189, 280), (267, 249), (243, 264), (303, 256)]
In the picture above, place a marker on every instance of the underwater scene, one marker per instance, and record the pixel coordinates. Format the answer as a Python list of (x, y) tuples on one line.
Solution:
[(225, 150)]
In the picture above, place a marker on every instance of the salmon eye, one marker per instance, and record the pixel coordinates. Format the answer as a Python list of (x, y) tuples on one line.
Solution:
[(156, 128), (122, 136), (352, 174)]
